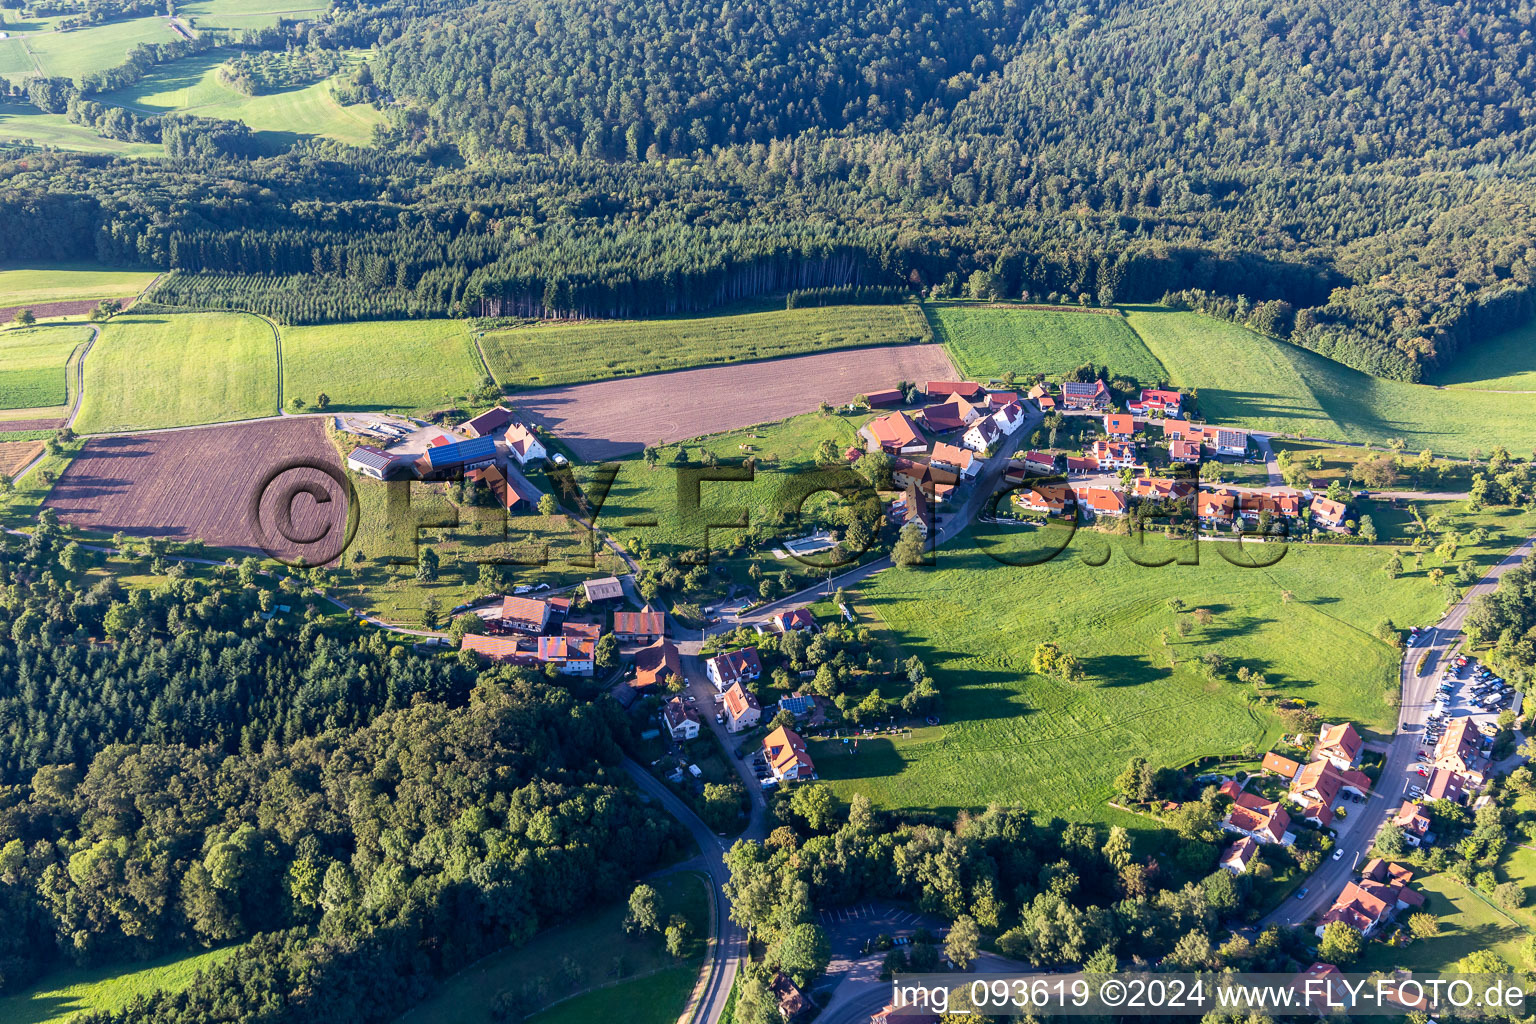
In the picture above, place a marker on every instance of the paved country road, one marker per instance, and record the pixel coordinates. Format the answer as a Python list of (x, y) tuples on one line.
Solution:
[(1364, 820)]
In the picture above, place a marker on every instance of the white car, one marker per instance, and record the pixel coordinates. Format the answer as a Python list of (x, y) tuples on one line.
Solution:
[(1338, 854), (522, 588)]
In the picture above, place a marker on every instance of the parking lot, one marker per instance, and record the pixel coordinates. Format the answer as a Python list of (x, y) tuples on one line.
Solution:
[(893, 918), (1465, 689)]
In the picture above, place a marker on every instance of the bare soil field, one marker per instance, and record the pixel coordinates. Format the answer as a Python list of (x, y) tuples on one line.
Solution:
[(16, 454), (208, 483), (52, 424), (71, 307), (611, 418)]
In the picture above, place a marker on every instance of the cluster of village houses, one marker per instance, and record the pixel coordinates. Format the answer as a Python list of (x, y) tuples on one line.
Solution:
[(929, 472), (1460, 766)]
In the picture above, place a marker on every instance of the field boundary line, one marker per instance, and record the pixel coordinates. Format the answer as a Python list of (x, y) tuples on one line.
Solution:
[(277, 340)]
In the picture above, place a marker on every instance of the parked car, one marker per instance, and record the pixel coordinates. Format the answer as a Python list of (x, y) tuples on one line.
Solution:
[(1301, 893), (1338, 854), (522, 588)]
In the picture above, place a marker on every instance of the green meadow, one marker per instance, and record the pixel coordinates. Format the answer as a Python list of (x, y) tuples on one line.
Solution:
[(61, 282), (1468, 922), (1248, 379), (237, 14), (33, 364), (554, 354), (381, 364), (1507, 363), (987, 341), (78, 52), (65, 993), (178, 370), (28, 124)]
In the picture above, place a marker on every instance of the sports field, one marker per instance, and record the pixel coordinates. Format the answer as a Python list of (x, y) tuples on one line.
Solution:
[(549, 355), (595, 941), (1016, 737), (381, 364), (191, 86), (1507, 363), (61, 282), (176, 370), (77, 53), (1257, 382), (65, 993), (987, 341), (32, 364)]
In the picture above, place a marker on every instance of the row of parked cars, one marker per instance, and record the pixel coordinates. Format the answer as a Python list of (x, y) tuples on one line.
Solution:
[(1482, 690)]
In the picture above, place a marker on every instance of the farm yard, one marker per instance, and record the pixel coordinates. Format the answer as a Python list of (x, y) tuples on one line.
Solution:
[(1257, 382), (379, 365), (34, 365), (197, 484), (610, 419), (987, 340), (178, 370), (558, 354)]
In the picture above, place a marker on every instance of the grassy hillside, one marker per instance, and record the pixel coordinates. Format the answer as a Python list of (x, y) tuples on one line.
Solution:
[(32, 364), (1507, 363), (191, 86), (1012, 736), (987, 341), (63, 994), (385, 364), (556, 354), (1251, 380), (237, 14), (177, 370), (58, 282), (76, 53), (27, 124)]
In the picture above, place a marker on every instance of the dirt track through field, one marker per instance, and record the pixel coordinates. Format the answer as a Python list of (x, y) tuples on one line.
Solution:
[(200, 483), (611, 418)]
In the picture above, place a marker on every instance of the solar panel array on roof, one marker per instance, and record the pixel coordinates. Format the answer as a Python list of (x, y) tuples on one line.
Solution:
[(371, 457), (462, 452)]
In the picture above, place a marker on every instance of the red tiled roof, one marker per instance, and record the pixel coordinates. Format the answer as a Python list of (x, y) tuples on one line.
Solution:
[(783, 749), (646, 623), (524, 609), (739, 700), (894, 430), (655, 663), (1103, 499), (1281, 766), (1119, 423), (964, 388)]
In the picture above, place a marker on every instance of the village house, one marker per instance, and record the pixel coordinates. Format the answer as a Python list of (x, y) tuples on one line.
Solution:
[(955, 460), (954, 413), (1052, 499), (1414, 823), (682, 721), (445, 458), (1339, 744), (1114, 454), (1184, 452), (1261, 820), (372, 462), (1230, 442), (575, 656), (727, 669), (1038, 392), (608, 588), (912, 509), (524, 614), (1103, 501), (1119, 426), (1009, 418), (656, 665), (893, 433), (936, 481), (510, 489), (982, 435), (1279, 505), (1177, 430), (1460, 751), (503, 650), (1040, 462), (1081, 466), (642, 627), (1160, 488), (1093, 395), (524, 445), (1281, 766), (942, 389), (1001, 399), (791, 1001), (1328, 513), (1154, 401), (1366, 905), (571, 655), (796, 619), (1239, 855), (1318, 785), (1445, 784), (784, 752), (799, 705), (884, 396), (1215, 508), (741, 708), (488, 422)]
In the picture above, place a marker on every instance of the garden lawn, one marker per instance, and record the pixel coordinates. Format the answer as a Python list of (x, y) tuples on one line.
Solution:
[(178, 370), (33, 365), (77, 53), (62, 282), (381, 364), (987, 341), (532, 974), (1011, 736), (1507, 362), (1257, 382), (59, 996), (1467, 923), (555, 354)]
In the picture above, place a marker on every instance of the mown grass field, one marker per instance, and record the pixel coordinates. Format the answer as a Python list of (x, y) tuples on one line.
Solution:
[(987, 341), (1012, 736), (65, 993), (381, 364), (33, 362), (81, 51), (555, 354), (1467, 923), (59, 282), (15, 62), (236, 14), (28, 124), (1257, 382), (178, 370), (1507, 362), (532, 973)]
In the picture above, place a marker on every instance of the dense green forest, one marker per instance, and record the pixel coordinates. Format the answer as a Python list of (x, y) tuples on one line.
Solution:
[(1365, 164)]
